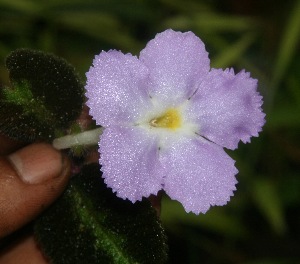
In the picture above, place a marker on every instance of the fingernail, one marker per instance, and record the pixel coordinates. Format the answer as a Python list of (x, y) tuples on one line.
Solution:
[(37, 163)]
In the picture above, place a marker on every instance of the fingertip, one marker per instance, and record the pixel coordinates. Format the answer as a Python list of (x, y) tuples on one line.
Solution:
[(31, 179), (22, 249), (38, 163)]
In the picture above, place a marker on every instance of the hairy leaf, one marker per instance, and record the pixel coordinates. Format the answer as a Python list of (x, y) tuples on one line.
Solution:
[(45, 96), (89, 224)]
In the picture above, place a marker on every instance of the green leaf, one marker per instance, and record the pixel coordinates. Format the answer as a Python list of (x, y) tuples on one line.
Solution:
[(285, 115), (105, 27), (222, 23), (216, 220), (208, 22), (89, 224), (267, 199), (287, 48), (234, 52), (45, 97), (16, 124), (20, 6)]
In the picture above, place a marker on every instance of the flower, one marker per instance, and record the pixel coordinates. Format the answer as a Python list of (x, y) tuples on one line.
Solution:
[(167, 117)]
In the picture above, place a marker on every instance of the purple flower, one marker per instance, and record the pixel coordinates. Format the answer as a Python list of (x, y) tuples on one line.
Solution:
[(167, 117)]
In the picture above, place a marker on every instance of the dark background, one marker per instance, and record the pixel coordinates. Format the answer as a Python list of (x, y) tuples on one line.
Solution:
[(260, 225)]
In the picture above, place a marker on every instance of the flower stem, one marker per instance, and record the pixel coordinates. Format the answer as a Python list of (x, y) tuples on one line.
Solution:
[(90, 137)]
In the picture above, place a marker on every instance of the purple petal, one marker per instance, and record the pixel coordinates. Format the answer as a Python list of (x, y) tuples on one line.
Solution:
[(227, 108), (176, 62), (199, 174), (115, 88), (129, 159)]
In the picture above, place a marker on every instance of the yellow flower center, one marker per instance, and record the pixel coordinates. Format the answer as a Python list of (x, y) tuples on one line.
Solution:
[(171, 119)]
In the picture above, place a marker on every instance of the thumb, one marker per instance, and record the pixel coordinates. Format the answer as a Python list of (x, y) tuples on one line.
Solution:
[(30, 180)]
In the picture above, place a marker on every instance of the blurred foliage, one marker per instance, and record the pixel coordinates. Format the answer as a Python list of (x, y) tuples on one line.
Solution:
[(260, 225)]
